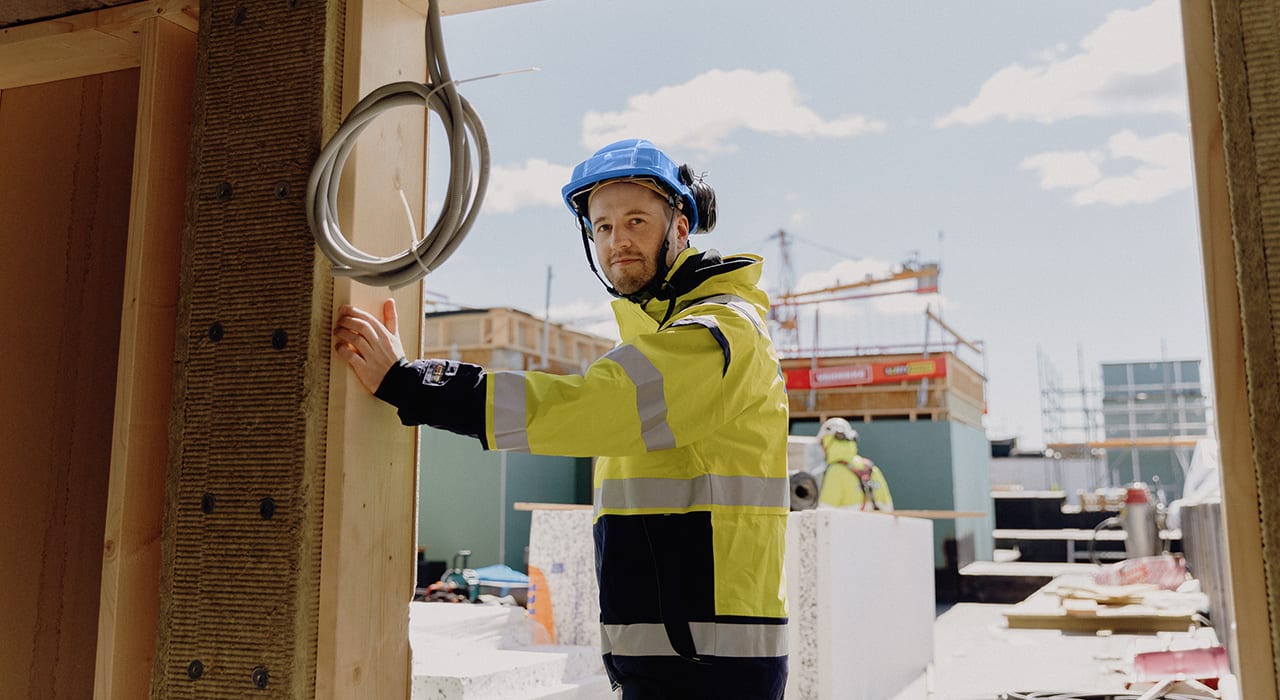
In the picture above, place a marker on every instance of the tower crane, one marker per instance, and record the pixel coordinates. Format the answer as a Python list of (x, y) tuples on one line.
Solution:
[(784, 307)]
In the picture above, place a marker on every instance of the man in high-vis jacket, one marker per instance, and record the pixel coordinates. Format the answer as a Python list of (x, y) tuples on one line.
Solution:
[(687, 415), (851, 480)]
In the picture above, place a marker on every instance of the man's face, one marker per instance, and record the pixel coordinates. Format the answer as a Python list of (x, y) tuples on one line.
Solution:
[(628, 223)]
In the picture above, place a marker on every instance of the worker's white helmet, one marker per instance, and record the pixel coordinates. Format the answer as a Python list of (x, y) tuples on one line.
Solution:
[(838, 427)]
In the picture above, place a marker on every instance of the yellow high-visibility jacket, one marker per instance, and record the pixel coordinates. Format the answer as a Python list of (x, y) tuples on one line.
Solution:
[(688, 416), (852, 480)]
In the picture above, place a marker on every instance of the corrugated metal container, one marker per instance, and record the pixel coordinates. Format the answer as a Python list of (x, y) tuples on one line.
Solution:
[(1204, 546)]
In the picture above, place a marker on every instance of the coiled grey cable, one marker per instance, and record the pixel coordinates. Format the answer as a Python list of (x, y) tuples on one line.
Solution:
[(461, 205)]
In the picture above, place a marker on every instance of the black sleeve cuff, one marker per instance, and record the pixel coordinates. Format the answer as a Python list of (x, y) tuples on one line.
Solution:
[(443, 394)]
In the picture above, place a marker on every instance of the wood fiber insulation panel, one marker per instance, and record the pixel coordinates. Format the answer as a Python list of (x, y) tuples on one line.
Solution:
[(66, 154), (239, 599)]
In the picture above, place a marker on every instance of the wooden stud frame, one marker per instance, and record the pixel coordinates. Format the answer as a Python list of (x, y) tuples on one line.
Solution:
[(157, 38)]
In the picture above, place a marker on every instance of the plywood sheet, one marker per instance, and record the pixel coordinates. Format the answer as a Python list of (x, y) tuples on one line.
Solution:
[(65, 159)]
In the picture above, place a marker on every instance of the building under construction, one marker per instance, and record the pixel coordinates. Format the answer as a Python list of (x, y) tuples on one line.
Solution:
[(1140, 423), (917, 402), (196, 504)]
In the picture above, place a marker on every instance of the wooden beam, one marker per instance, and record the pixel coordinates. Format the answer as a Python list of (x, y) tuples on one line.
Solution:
[(367, 567), (454, 7), (959, 339), (129, 598), (84, 44), (1251, 649), (1125, 443), (27, 11)]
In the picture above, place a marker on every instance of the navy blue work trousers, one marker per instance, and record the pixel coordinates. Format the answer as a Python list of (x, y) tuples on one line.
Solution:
[(677, 678)]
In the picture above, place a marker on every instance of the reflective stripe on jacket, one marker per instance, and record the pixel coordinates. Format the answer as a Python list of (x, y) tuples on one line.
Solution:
[(689, 421)]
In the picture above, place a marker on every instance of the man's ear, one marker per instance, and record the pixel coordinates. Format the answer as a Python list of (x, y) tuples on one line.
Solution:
[(682, 230)]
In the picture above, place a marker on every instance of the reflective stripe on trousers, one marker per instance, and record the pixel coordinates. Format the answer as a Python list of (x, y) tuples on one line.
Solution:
[(710, 638), (704, 490)]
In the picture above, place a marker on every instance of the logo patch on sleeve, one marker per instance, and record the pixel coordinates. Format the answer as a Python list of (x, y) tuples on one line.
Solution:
[(439, 372)]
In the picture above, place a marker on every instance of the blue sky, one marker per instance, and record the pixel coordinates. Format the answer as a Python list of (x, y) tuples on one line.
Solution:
[(1038, 151)]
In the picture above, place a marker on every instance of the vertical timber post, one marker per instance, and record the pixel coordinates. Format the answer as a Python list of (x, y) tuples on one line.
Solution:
[(1233, 63), (289, 528)]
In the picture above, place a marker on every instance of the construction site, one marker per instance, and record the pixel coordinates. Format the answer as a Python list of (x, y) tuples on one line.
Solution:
[(199, 501)]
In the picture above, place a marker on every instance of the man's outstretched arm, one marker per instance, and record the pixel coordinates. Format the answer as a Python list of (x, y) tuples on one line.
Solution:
[(440, 393)]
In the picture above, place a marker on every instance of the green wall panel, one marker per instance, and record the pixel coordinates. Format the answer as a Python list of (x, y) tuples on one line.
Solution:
[(932, 465), (465, 502), (534, 479), (458, 497)]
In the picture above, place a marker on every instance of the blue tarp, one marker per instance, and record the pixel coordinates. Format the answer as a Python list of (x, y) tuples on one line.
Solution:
[(501, 575)]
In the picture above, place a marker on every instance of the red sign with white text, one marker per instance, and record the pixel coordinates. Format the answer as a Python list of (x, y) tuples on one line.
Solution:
[(868, 373)]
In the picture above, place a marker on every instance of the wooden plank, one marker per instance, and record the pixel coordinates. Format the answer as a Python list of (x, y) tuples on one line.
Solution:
[(367, 570), (933, 514), (1251, 649), (1125, 443), (28, 11), (129, 598), (65, 159), (453, 7), (84, 44), (521, 505)]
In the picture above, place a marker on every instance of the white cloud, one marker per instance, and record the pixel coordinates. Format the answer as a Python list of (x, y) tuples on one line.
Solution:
[(535, 183), (844, 272), (1163, 166), (1131, 64), (701, 114), (1065, 168), (582, 309)]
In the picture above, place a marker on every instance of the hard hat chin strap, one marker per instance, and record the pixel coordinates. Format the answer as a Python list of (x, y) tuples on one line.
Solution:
[(591, 260), (658, 287)]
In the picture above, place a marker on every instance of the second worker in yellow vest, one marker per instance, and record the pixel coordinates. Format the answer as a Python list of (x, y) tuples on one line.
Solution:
[(851, 480)]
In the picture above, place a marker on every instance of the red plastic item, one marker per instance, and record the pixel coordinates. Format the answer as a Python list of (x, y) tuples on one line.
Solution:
[(1137, 494), (1206, 665)]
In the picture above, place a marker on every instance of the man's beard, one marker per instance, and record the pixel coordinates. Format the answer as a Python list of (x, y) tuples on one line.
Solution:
[(632, 278)]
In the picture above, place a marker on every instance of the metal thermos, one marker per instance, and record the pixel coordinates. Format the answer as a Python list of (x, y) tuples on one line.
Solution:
[(1141, 532)]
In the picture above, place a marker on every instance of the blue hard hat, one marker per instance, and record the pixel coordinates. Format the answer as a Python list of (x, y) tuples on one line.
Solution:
[(631, 158)]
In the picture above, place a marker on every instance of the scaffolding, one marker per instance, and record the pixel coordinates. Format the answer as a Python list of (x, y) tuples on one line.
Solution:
[(1130, 424)]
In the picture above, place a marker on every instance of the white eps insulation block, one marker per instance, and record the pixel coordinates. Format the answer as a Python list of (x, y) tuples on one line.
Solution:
[(860, 589)]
